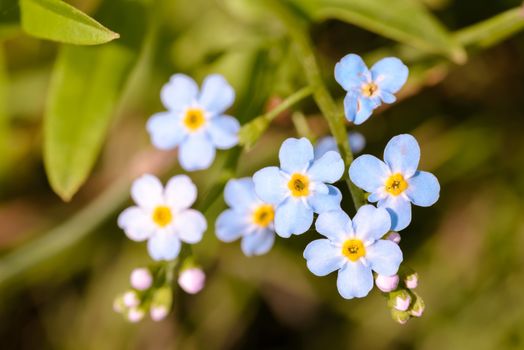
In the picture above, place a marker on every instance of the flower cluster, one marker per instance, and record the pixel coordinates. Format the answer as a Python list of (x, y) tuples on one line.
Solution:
[(281, 200)]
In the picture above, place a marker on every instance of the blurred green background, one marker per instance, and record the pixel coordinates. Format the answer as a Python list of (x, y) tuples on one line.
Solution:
[(72, 113)]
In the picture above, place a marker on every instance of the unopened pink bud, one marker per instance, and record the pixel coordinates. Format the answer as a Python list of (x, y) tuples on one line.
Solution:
[(402, 302), (135, 315), (411, 281), (131, 299), (394, 237), (158, 313), (192, 280), (141, 279), (387, 283)]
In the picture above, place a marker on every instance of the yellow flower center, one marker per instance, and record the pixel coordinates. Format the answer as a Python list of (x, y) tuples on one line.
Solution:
[(396, 184), (162, 215), (263, 215), (299, 185), (194, 119), (369, 89), (353, 249)]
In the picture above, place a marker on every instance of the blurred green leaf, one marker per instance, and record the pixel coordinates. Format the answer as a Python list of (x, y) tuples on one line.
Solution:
[(406, 21), (86, 85), (58, 21), (493, 30)]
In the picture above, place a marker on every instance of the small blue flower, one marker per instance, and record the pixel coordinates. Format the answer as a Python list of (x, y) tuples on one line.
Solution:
[(356, 140), (163, 217), (249, 218), (195, 121), (367, 89), (354, 248), (298, 188), (396, 183)]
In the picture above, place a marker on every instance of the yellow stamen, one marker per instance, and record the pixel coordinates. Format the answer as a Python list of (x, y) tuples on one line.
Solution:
[(263, 215), (194, 119), (353, 249), (162, 216), (299, 185), (396, 184), (369, 89)]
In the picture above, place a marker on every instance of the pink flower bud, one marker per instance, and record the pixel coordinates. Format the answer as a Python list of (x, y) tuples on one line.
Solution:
[(141, 279), (135, 315), (402, 302), (130, 299), (394, 237), (387, 283), (158, 313), (192, 280), (411, 281)]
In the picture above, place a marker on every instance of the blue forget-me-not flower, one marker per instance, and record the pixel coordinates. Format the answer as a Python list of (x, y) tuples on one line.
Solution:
[(396, 182), (195, 121), (163, 216), (248, 217), (300, 186), (354, 248), (367, 89), (356, 140)]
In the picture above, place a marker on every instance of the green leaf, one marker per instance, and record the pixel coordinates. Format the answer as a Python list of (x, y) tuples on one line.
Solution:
[(493, 30), (59, 21), (406, 21), (86, 86)]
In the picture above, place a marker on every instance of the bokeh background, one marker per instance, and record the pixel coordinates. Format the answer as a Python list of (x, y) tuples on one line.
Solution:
[(62, 263)]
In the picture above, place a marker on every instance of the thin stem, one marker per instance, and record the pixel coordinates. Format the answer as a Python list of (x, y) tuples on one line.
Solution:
[(288, 102), (297, 30)]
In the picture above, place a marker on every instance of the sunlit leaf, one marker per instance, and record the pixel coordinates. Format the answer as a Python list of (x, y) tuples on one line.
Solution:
[(58, 21), (406, 21), (86, 85)]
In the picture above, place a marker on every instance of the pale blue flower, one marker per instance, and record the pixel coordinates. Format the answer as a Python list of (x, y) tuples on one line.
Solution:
[(396, 183), (300, 186), (354, 248), (356, 140), (367, 89), (195, 121), (163, 216), (248, 217)]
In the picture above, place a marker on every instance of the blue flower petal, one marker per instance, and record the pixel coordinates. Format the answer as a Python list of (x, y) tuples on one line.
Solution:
[(165, 130), (323, 257), (258, 243), (371, 223), (352, 106), (240, 193), (365, 108), (190, 225), (423, 189), (335, 225), (384, 257), (390, 74), (292, 217), (354, 280), (196, 153), (325, 202), (231, 225), (179, 92), (223, 131), (324, 145), (217, 95), (368, 172), (147, 191), (295, 155), (351, 72), (386, 97), (399, 210), (136, 223), (357, 141), (402, 154), (270, 185), (163, 246), (329, 168)]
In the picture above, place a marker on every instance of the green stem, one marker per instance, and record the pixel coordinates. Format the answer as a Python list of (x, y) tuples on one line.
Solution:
[(297, 30), (288, 102)]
